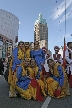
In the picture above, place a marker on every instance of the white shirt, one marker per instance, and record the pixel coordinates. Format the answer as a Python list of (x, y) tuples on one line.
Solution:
[(60, 60)]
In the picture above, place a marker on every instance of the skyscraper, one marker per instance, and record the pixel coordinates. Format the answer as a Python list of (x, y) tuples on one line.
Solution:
[(41, 31), (9, 26)]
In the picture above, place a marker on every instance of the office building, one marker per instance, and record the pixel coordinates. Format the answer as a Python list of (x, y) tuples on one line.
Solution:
[(41, 31)]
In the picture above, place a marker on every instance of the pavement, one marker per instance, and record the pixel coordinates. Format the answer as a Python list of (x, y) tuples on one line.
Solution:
[(6, 102)]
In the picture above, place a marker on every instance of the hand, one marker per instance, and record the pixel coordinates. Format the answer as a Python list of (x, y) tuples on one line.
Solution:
[(29, 77), (42, 64), (46, 57), (17, 65), (59, 88), (37, 77), (12, 72), (58, 60)]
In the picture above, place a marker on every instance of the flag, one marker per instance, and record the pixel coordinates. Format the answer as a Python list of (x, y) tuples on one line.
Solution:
[(64, 61)]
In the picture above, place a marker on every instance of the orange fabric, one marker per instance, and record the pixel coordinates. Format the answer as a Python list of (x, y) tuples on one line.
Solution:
[(57, 93), (35, 84), (44, 73)]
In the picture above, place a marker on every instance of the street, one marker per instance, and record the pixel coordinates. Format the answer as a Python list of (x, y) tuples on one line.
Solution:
[(6, 102)]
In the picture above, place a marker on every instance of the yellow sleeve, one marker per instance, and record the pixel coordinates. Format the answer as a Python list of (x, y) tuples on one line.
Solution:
[(28, 54), (41, 74), (29, 70), (23, 71), (36, 71)]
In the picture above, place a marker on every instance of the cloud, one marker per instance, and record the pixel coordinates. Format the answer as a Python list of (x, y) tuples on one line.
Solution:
[(68, 16), (61, 8)]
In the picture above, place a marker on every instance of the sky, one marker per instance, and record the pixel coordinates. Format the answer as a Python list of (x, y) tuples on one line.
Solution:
[(52, 10)]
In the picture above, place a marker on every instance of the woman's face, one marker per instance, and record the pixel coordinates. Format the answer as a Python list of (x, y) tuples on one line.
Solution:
[(26, 45), (32, 63), (21, 45), (51, 63), (26, 63), (36, 45)]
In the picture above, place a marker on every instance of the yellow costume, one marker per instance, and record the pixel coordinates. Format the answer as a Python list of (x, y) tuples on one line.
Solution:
[(20, 54), (27, 53), (17, 59), (32, 73), (27, 50), (52, 84), (30, 92)]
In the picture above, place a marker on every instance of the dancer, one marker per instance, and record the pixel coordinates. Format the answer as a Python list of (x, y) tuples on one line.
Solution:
[(57, 83), (39, 56)]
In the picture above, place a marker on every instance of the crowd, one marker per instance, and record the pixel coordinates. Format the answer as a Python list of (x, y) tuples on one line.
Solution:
[(34, 74)]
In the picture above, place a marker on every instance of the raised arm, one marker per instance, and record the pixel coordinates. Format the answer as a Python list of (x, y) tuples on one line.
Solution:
[(43, 55), (15, 56)]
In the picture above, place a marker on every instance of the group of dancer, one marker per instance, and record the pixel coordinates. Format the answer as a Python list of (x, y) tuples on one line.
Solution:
[(34, 74)]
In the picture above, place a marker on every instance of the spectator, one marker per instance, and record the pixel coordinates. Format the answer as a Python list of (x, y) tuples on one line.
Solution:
[(1, 67)]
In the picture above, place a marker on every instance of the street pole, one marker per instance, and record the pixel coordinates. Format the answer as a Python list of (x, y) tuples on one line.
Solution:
[(65, 18)]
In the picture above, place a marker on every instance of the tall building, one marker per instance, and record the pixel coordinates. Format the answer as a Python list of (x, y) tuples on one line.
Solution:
[(41, 31), (9, 26)]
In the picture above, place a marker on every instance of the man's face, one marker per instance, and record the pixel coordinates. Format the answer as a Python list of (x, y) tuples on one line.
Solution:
[(51, 63), (21, 45), (32, 62), (56, 51), (26, 45), (36, 44), (70, 46)]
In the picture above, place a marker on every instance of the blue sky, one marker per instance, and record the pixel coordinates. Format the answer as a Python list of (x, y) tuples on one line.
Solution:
[(28, 10)]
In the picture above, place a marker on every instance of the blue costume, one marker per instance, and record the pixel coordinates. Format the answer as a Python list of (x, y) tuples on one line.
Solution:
[(39, 57), (57, 82), (23, 81), (16, 61), (59, 79)]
